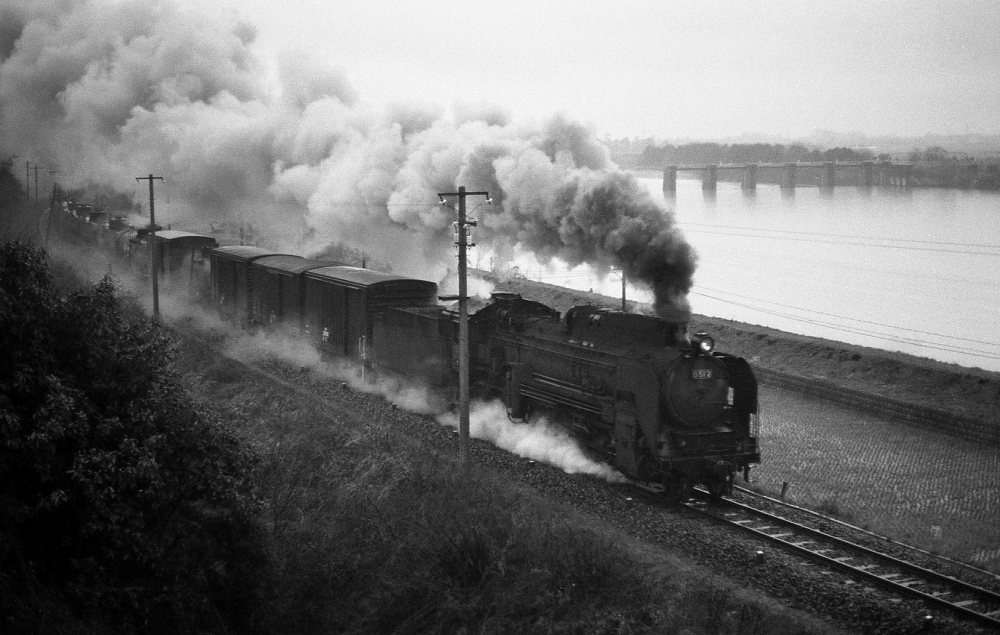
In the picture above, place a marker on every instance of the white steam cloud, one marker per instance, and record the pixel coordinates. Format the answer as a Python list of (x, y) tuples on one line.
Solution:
[(105, 92), (538, 440)]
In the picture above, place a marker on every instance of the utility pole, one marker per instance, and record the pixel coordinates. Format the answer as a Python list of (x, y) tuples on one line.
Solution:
[(624, 310), (463, 320), (36, 169), (55, 186), (622, 276), (153, 264), (52, 206)]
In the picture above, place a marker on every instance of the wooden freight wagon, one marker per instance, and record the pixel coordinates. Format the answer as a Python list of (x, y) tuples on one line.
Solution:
[(278, 289), (232, 279), (179, 257), (417, 342), (180, 254), (343, 302)]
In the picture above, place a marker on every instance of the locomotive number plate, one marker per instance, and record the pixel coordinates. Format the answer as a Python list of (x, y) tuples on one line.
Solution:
[(701, 373)]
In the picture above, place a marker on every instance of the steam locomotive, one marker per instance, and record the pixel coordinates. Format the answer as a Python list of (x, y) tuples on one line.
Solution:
[(660, 406)]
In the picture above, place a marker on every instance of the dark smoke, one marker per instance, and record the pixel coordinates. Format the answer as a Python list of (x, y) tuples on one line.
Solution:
[(104, 92)]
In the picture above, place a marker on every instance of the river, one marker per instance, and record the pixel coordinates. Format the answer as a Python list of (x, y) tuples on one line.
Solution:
[(914, 270)]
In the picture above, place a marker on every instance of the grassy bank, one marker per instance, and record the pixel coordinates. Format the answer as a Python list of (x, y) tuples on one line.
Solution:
[(371, 533)]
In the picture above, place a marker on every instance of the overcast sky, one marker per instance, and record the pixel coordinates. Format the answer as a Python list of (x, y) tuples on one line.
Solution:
[(670, 69)]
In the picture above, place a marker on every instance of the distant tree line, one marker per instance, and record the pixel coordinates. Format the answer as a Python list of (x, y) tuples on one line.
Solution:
[(669, 154)]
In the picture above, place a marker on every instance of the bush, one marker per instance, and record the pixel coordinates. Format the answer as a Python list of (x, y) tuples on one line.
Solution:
[(116, 496)]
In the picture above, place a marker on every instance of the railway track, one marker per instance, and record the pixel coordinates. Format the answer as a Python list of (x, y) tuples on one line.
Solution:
[(859, 561)]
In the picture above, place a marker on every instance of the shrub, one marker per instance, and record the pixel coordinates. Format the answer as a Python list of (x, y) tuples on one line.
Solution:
[(115, 494)]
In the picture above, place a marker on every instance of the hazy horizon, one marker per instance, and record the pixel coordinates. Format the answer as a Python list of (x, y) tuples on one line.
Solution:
[(709, 69)]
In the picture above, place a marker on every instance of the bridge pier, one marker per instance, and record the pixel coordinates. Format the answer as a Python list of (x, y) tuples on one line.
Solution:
[(828, 177), (750, 177), (788, 179), (710, 178), (670, 179), (866, 178), (905, 173)]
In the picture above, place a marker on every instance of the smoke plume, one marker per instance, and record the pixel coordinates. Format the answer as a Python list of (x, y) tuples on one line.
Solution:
[(538, 440), (104, 92)]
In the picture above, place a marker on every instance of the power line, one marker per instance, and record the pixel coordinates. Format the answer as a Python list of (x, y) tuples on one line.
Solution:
[(354, 203), (791, 231), (868, 270), (848, 319), (856, 331), (848, 243)]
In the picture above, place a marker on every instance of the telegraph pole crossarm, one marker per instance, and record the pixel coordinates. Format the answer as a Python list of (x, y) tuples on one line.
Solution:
[(463, 319), (153, 264)]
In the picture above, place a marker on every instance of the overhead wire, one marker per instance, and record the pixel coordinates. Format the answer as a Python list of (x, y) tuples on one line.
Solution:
[(826, 234), (841, 317), (856, 244), (859, 331), (824, 266)]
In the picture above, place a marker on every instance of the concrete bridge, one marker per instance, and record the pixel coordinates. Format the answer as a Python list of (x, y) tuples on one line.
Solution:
[(792, 175)]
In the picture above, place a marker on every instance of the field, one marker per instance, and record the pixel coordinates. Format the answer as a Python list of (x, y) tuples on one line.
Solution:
[(916, 486)]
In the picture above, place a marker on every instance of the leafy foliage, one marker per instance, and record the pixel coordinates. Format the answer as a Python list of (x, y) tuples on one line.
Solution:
[(115, 494)]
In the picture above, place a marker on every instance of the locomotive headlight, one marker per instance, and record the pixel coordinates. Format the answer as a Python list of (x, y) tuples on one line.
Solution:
[(705, 343)]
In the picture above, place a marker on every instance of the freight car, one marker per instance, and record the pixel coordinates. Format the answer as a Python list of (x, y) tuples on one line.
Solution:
[(180, 255), (329, 303), (232, 278), (342, 304)]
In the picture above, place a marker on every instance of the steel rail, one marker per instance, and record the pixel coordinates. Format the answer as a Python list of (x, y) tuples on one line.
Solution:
[(902, 545), (894, 581)]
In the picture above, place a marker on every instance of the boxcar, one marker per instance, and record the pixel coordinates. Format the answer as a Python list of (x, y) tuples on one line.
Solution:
[(232, 279), (180, 256), (278, 289), (418, 342), (342, 304)]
